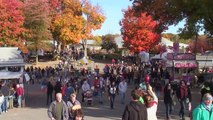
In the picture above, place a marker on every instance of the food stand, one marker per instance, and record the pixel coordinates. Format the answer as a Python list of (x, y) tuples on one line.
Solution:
[(11, 64), (182, 66)]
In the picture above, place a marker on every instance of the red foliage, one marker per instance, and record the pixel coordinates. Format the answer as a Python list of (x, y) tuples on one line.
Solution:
[(203, 45), (139, 32), (11, 23), (157, 49)]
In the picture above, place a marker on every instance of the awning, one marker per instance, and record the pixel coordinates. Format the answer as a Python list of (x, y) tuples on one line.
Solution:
[(10, 75), (12, 64)]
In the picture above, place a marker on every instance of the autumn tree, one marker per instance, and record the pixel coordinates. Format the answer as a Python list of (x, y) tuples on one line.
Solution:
[(139, 32), (12, 31), (203, 44), (158, 49), (108, 42), (37, 22), (76, 22)]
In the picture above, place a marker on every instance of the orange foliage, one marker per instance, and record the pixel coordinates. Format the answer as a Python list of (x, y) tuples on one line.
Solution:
[(77, 21)]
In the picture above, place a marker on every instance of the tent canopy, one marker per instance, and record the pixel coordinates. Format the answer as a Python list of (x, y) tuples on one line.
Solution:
[(144, 56), (10, 75)]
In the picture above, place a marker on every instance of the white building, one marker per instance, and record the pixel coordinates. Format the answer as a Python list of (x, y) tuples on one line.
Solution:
[(11, 63)]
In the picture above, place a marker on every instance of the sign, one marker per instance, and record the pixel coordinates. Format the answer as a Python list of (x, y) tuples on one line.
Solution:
[(181, 56), (187, 64), (176, 47)]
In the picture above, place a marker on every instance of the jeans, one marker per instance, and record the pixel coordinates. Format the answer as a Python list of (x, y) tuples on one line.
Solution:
[(4, 105), (19, 100), (100, 96), (182, 108), (112, 99), (168, 109), (123, 94)]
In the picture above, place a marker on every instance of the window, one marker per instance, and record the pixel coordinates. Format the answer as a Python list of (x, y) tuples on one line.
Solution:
[(14, 69)]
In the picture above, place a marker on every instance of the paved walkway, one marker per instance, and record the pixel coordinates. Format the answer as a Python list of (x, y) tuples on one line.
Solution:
[(36, 108)]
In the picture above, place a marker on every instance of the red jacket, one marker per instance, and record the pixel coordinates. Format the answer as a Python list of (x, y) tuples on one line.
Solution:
[(97, 84), (20, 91)]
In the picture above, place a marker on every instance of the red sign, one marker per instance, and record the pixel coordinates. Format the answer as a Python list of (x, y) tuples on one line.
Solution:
[(186, 65)]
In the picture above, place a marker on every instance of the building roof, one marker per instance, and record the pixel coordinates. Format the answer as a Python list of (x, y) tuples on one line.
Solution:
[(10, 55), (89, 42), (167, 42), (119, 41)]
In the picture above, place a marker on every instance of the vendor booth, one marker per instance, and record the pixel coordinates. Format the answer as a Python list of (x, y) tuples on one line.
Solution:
[(11, 64), (182, 66)]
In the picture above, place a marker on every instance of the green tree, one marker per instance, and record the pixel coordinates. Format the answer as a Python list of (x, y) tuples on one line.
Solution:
[(197, 14), (108, 42), (37, 22)]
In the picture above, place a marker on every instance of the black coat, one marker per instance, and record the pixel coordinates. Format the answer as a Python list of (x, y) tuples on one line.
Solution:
[(135, 111), (168, 96), (49, 88)]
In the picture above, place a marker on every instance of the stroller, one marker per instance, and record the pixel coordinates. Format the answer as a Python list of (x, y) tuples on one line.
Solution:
[(88, 97)]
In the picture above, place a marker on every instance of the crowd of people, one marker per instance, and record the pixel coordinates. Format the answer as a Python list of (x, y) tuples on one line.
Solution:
[(11, 95), (152, 81)]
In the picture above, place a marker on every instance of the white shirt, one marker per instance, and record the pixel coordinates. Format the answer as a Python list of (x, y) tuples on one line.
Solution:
[(122, 87), (85, 87), (151, 111), (1, 99)]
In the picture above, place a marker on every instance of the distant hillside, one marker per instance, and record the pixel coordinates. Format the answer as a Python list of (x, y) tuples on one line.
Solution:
[(174, 37)]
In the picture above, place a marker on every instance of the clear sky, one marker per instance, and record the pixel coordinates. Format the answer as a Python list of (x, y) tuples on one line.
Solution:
[(113, 12)]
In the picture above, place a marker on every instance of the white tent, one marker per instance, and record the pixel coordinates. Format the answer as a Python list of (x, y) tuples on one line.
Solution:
[(144, 56), (10, 75), (170, 43)]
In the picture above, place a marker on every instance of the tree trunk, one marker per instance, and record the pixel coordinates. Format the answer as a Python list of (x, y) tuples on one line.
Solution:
[(36, 57), (85, 48)]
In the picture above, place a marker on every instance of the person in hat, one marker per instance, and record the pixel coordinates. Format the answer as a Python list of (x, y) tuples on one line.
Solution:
[(204, 111), (73, 105)]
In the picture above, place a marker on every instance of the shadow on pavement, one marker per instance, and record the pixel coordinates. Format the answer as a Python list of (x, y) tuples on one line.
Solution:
[(34, 97)]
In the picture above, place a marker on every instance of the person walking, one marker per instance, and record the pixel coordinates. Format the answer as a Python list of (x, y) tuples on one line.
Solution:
[(112, 93), (85, 87), (58, 87), (204, 111), (73, 104), (20, 94), (49, 92), (151, 102), (6, 92), (122, 89), (135, 110), (58, 109), (182, 95), (168, 100), (97, 88), (69, 90)]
